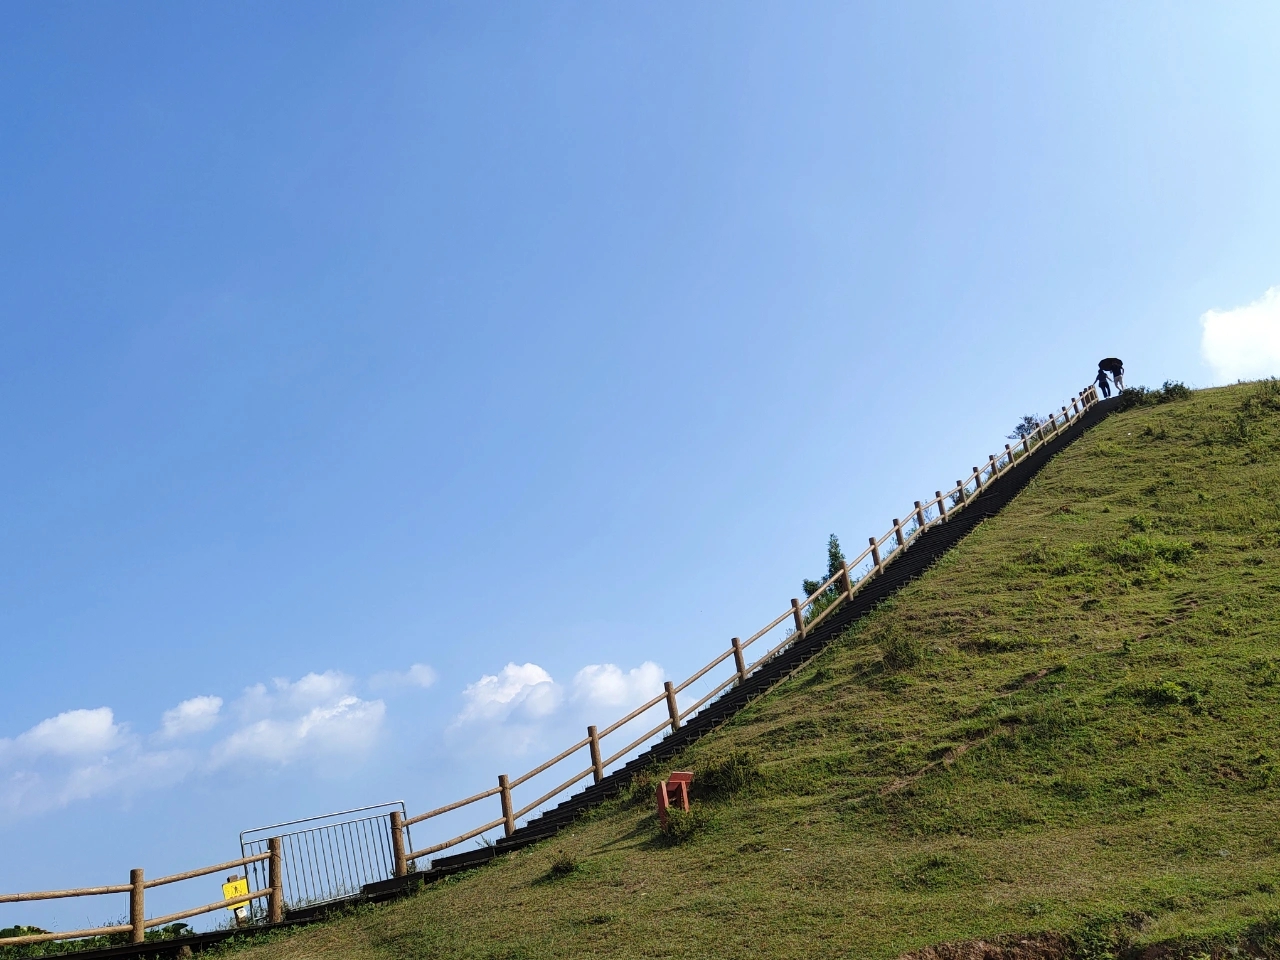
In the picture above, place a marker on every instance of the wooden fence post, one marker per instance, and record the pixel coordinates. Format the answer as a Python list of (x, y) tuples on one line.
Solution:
[(275, 879), (1008, 453), (672, 709), (960, 491), (739, 660), (977, 479), (919, 516), (875, 554), (397, 843), (897, 532), (846, 583), (508, 814), (137, 907), (1075, 407), (942, 504), (991, 465), (798, 617), (597, 768)]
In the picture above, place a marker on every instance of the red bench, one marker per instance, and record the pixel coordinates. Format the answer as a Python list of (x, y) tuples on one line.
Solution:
[(673, 792)]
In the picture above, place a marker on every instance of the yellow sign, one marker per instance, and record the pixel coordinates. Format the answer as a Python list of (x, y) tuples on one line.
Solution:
[(236, 888)]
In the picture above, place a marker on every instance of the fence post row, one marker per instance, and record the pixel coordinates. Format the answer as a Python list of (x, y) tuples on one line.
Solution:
[(275, 892)]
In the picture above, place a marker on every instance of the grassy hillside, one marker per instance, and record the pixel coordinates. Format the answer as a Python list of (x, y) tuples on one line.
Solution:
[(1074, 730)]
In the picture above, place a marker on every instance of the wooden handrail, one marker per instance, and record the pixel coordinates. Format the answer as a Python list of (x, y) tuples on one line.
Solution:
[(639, 740), (204, 871), (482, 795), (710, 666), (547, 796), (897, 539), (69, 935), (207, 908), (425, 851), (551, 763), (57, 894), (633, 714), (763, 630), (694, 709)]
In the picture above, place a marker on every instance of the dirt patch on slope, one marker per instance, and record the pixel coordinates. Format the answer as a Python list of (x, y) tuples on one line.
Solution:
[(1047, 946)]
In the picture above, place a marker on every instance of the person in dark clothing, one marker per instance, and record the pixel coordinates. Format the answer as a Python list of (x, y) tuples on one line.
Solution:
[(1103, 383), (1115, 367)]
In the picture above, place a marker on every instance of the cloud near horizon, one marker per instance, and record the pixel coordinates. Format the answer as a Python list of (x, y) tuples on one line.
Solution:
[(1243, 343), (85, 753)]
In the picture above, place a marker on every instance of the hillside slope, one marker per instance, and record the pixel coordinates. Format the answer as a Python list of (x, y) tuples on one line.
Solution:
[(1068, 725)]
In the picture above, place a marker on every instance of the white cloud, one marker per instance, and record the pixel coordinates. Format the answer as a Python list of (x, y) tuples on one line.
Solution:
[(190, 716), (73, 733), (419, 675), (316, 717), (525, 691), (77, 755), (1243, 343), (605, 685), (82, 754)]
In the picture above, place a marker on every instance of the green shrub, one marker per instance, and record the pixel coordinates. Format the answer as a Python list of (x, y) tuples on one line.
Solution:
[(682, 827), (1172, 390), (562, 865), (719, 779), (1138, 551), (1169, 693), (900, 648)]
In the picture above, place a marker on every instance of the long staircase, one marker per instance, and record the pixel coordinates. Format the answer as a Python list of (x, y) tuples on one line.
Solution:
[(901, 570)]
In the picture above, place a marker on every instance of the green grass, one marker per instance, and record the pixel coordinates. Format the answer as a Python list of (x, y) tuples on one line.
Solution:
[(1068, 726)]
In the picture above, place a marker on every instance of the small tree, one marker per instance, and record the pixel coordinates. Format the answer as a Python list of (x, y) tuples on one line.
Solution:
[(1026, 426), (835, 563)]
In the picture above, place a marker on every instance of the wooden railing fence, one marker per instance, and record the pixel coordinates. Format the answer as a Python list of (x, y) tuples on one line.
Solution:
[(136, 889), (804, 616)]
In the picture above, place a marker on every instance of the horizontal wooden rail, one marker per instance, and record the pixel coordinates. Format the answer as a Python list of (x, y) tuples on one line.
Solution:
[(69, 935), (707, 669), (426, 851), (482, 795), (551, 763), (58, 894), (137, 887), (551, 793), (207, 908), (689, 711), (636, 742), (205, 871), (649, 705), (848, 581)]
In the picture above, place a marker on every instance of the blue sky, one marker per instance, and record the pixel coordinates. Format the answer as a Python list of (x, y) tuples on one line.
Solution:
[(390, 390)]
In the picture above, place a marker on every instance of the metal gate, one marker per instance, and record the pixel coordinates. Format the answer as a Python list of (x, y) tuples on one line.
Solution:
[(326, 858)]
